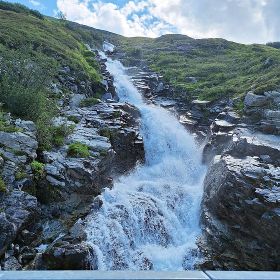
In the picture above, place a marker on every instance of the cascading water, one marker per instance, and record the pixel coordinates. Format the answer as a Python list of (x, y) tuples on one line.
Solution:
[(150, 218)]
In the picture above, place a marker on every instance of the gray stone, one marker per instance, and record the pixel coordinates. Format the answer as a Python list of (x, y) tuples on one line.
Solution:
[(11, 264), (254, 100), (63, 255), (7, 233), (19, 141)]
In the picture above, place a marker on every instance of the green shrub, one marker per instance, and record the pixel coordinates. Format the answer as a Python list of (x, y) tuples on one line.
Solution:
[(90, 101), (3, 187), (20, 175), (23, 89), (106, 132), (38, 168), (117, 114), (74, 119), (78, 150), (60, 133)]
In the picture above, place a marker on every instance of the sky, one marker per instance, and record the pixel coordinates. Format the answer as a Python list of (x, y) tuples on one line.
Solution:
[(243, 21)]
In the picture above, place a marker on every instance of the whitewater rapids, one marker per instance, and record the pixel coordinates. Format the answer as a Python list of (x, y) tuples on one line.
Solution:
[(150, 218)]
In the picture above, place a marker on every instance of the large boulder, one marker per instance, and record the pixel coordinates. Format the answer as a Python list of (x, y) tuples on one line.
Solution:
[(20, 211), (240, 214), (63, 255), (254, 100)]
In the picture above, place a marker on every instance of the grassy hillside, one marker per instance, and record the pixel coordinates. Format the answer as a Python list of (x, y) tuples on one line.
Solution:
[(32, 50), (208, 68), (205, 69)]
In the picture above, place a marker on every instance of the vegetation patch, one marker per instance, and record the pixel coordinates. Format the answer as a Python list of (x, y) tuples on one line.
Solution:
[(73, 119), (90, 101), (3, 187), (78, 149), (20, 175), (59, 133), (38, 168)]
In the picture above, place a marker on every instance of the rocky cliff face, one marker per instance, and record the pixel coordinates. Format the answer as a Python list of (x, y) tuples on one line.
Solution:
[(42, 202), (240, 209)]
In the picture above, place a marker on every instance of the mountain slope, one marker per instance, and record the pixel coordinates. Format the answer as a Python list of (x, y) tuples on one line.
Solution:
[(207, 68)]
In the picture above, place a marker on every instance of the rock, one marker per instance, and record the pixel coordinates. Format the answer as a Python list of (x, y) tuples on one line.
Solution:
[(107, 96), (26, 237), (20, 211), (7, 233), (274, 96), (65, 256), (20, 142), (253, 100), (11, 264), (242, 194), (191, 80), (28, 127), (201, 104), (1, 162)]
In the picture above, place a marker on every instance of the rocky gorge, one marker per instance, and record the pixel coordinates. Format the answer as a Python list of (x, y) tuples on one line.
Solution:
[(240, 206)]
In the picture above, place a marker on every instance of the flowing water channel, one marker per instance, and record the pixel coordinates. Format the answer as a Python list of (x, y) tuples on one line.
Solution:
[(150, 218)]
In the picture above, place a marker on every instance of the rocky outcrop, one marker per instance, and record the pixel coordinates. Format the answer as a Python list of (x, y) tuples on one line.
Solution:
[(264, 111), (240, 207)]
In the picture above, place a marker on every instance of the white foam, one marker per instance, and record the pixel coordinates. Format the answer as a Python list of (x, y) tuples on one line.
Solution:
[(152, 214)]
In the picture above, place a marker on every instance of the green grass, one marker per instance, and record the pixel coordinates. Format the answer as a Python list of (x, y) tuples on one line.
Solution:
[(78, 150), (223, 69), (28, 39)]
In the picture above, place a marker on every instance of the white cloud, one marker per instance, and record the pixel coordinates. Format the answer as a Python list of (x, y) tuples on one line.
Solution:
[(35, 3), (245, 21)]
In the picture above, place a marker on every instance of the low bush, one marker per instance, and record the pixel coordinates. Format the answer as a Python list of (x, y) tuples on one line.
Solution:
[(78, 150), (23, 89), (38, 168), (20, 175), (90, 101), (60, 133), (73, 119)]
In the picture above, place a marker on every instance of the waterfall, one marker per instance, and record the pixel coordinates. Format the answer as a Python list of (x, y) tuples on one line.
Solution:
[(150, 218)]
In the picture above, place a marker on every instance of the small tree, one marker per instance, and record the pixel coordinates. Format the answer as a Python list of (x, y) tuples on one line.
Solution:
[(61, 16)]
